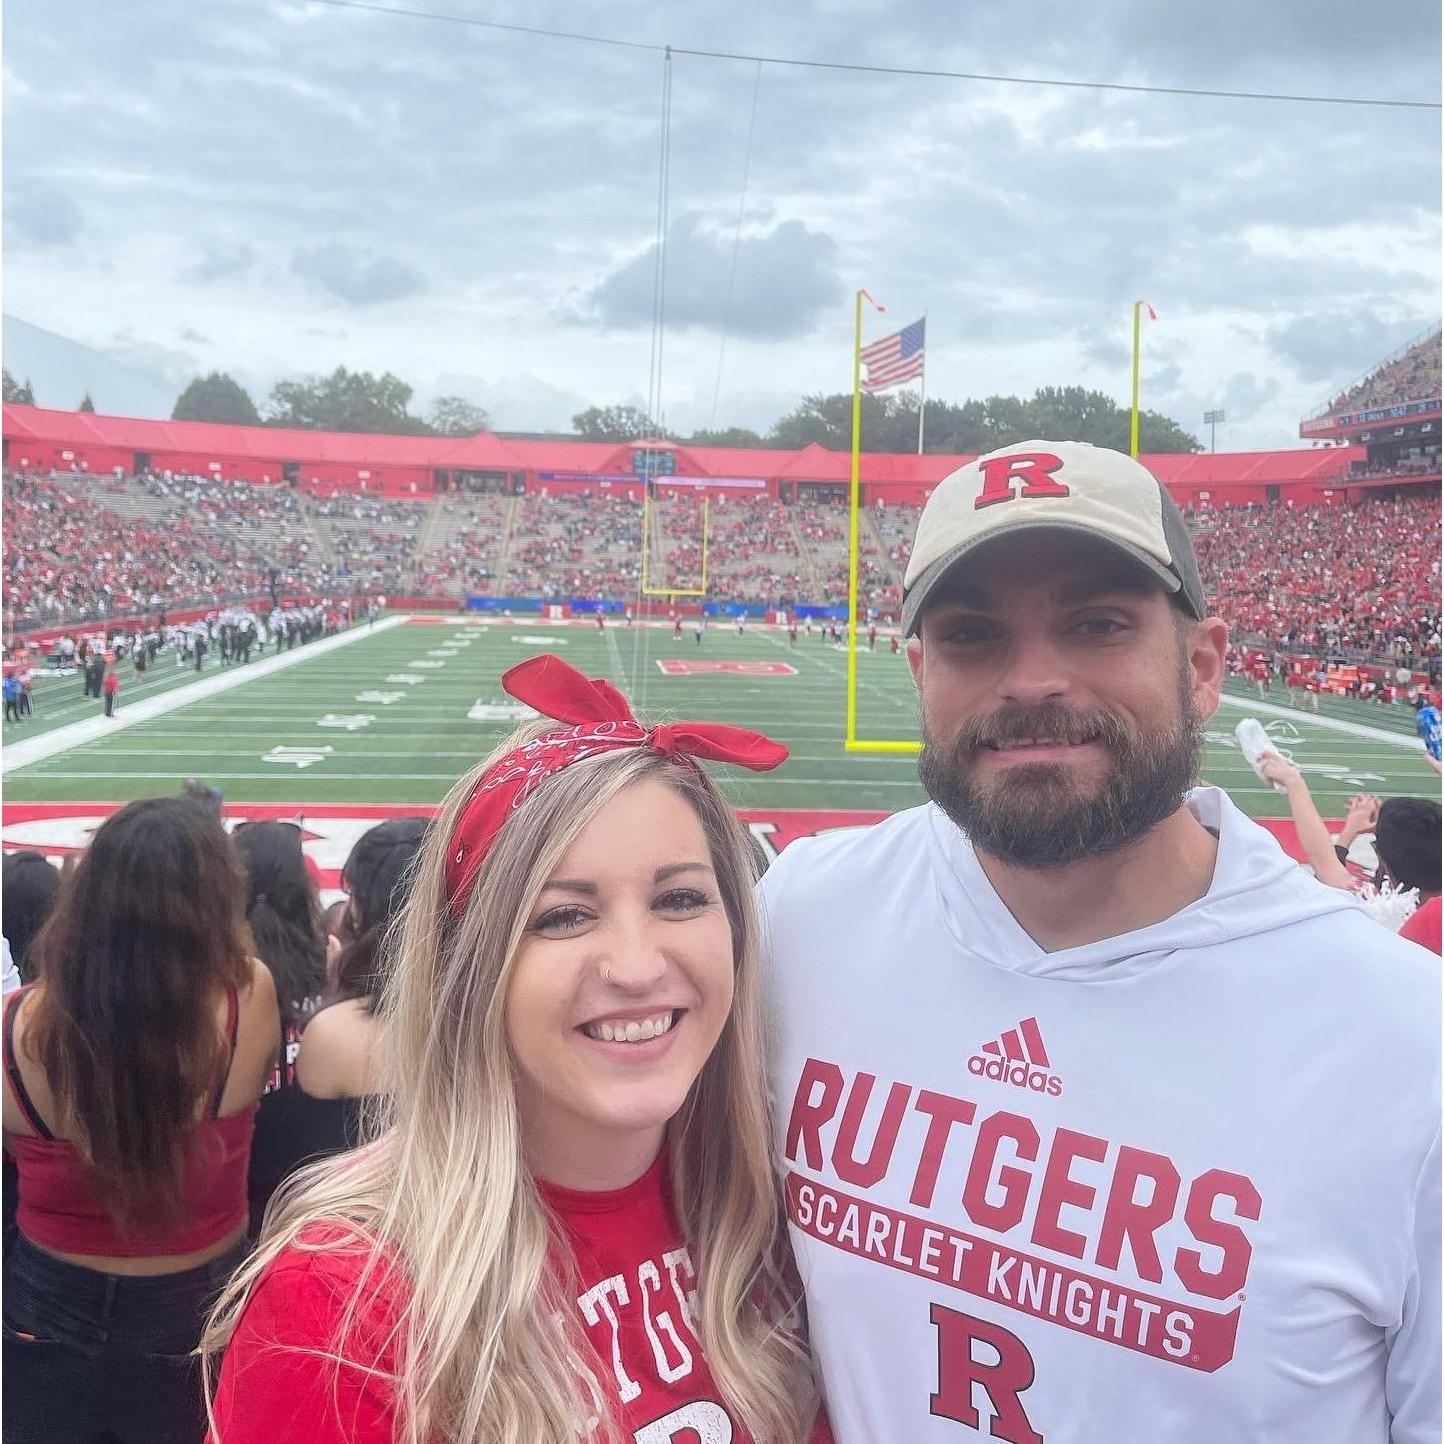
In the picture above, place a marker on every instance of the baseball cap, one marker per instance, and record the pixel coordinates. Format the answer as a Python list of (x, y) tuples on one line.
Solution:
[(1057, 485)]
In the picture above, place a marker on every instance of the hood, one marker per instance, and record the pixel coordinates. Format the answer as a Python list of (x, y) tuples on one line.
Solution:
[(1256, 889)]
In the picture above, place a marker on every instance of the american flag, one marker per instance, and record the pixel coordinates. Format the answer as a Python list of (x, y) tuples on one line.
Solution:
[(895, 358)]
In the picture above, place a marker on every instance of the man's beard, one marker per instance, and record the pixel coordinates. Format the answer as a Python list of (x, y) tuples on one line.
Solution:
[(1039, 815)]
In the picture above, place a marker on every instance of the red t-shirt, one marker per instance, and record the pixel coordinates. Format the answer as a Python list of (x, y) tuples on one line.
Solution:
[(636, 1296), (1422, 926), (110, 682)]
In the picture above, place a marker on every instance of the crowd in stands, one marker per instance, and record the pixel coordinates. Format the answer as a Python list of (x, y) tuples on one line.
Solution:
[(1426, 463), (1325, 579), (586, 545), (1414, 375), (67, 558), (1362, 578)]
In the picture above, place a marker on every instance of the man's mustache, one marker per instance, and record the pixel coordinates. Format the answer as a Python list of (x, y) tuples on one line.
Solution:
[(1015, 723)]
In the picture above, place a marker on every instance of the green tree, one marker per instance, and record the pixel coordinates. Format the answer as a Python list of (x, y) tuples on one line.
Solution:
[(14, 391), (86, 404), (217, 397), (456, 416), (614, 423), (727, 436), (345, 401), (1053, 413)]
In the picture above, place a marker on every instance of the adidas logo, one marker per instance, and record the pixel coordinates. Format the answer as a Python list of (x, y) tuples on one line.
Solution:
[(1019, 1058)]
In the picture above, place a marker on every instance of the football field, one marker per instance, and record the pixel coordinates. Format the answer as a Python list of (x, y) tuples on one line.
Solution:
[(393, 716)]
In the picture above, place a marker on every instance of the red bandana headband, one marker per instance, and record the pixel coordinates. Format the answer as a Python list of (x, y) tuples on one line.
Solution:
[(601, 721)]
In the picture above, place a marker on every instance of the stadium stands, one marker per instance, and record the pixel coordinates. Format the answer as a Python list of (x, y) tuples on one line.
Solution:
[(1362, 578)]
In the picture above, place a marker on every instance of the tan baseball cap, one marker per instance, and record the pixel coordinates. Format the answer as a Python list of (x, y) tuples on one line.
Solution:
[(1058, 485)]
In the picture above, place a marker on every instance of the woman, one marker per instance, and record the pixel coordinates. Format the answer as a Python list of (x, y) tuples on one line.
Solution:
[(567, 1224), (284, 916), (28, 885), (315, 1104), (338, 1059), (133, 1068)]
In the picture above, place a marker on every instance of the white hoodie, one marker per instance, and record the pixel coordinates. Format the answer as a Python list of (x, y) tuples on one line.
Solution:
[(1179, 1185)]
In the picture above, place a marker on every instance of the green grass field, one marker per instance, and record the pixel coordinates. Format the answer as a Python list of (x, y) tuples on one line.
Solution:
[(396, 716)]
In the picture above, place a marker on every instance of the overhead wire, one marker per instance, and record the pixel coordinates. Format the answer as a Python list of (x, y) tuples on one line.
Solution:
[(858, 68), (640, 677), (736, 247)]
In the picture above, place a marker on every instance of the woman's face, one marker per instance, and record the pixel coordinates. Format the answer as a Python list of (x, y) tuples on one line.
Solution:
[(620, 990)]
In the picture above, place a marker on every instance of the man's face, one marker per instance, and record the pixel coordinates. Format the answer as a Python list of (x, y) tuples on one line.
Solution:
[(1062, 700)]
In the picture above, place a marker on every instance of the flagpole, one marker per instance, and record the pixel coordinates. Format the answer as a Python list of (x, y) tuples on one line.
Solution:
[(923, 393), (1137, 334), (854, 501)]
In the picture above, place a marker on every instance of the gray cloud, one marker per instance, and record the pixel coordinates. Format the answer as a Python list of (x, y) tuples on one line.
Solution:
[(223, 261), (1328, 345), (39, 217), (340, 159), (358, 277), (786, 278)]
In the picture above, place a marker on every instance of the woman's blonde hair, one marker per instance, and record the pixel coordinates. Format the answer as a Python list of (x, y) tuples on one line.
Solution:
[(488, 1344)]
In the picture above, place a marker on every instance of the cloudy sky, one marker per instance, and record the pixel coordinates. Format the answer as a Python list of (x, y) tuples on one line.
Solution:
[(272, 187)]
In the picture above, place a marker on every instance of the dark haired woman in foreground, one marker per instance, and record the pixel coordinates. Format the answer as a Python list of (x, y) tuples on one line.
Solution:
[(133, 1067)]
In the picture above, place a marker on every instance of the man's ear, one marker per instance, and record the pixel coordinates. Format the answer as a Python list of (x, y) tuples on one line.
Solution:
[(915, 661), (1207, 645)]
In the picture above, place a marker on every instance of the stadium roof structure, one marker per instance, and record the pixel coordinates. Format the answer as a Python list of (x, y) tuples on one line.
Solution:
[(341, 457)]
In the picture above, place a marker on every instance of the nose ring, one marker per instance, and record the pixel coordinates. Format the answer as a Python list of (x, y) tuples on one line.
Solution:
[(606, 972)]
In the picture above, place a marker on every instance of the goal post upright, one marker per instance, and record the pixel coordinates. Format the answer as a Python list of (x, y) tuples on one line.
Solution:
[(851, 742)]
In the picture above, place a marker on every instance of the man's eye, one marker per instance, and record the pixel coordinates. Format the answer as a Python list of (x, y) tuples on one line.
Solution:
[(561, 920), (1101, 626), (683, 899), (971, 633)]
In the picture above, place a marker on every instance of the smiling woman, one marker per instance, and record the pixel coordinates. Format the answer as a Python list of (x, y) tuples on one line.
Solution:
[(566, 1210)]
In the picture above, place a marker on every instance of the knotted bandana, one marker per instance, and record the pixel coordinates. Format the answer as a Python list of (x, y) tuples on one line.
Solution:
[(601, 721)]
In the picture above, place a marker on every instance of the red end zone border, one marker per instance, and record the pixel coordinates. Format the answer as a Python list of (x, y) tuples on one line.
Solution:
[(62, 829)]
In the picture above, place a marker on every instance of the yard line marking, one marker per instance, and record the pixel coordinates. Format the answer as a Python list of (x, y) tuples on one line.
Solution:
[(76, 734), (1329, 724)]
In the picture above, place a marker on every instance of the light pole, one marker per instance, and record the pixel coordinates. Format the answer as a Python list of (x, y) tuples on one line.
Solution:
[(1211, 420)]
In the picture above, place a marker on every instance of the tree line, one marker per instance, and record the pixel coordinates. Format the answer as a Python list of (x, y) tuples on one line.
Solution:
[(362, 401)]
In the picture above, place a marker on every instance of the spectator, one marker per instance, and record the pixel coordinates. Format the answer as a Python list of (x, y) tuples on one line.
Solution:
[(134, 1066), (314, 1105), (28, 886), (1406, 839), (284, 916)]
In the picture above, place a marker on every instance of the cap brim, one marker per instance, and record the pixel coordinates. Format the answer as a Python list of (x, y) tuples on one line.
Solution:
[(927, 587)]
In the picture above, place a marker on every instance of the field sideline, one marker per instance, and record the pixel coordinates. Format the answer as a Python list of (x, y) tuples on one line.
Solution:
[(393, 716)]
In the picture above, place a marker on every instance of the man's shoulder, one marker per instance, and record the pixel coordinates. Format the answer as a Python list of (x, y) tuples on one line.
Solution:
[(849, 855)]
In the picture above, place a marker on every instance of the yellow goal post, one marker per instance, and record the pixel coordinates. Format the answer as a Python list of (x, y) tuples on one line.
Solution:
[(851, 741)]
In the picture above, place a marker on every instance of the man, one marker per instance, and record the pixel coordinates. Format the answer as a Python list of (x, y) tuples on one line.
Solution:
[(1427, 725), (1091, 1130)]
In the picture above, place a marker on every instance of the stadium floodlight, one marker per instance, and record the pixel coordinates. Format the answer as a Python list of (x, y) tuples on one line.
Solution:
[(1211, 420), (650, 591)]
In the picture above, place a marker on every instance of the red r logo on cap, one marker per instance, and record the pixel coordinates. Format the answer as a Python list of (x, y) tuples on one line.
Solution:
[(1033, 468)]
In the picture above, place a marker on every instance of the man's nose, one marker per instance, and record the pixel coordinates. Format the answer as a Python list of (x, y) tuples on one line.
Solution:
[(1034, 671)]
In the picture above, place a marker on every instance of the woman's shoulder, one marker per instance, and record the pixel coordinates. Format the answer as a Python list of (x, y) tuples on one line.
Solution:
[(309, 1286), (334, 1059)]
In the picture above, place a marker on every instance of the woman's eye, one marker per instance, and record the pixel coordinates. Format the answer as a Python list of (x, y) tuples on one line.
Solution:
[(683, 899), (560, 920)]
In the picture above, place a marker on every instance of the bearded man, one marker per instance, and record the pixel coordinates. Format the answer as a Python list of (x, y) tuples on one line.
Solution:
[(1101, 1119)]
